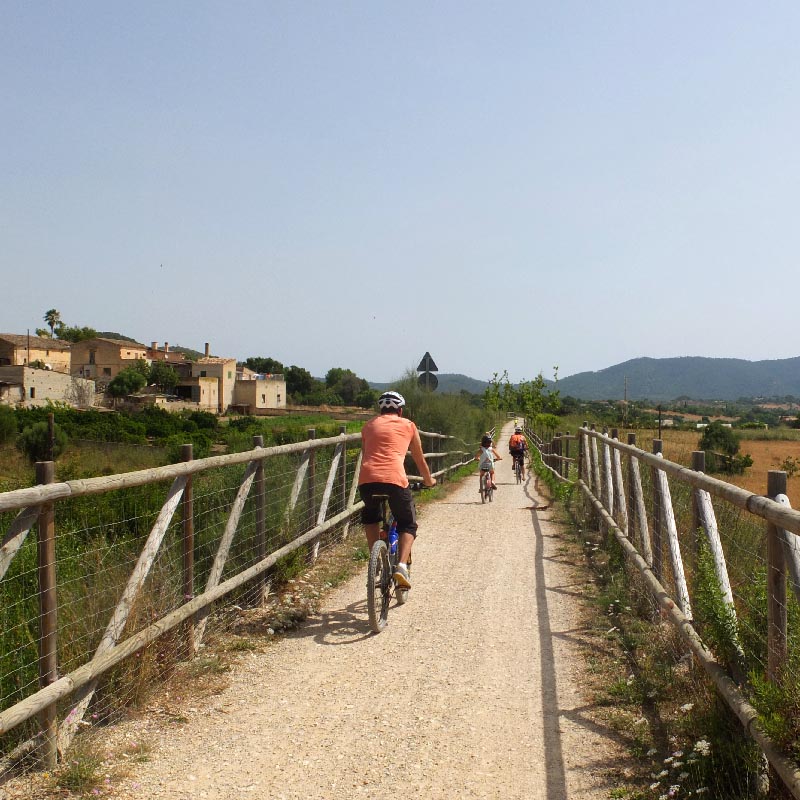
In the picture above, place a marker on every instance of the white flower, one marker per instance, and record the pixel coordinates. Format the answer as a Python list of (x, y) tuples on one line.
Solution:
[(677, 754), (687, 707), (668, 760), (673, 790), (640, 721), (702, 747), (652, 751), (654, 786), (683, 776), (662, 774)]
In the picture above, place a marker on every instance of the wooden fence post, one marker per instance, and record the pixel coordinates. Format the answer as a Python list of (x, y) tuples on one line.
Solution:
[(311, 485), (658, 570), (260, 492), (566, 454), (776, 587), (187, 524), (311, 495), (343, 479), (48, 615), (698, 465)]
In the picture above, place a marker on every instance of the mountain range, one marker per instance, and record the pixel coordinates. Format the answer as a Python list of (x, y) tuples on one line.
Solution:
[(663, 379)]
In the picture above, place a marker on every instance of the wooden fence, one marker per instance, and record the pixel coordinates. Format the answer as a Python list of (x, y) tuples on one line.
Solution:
[(273, 493), (632, 494)]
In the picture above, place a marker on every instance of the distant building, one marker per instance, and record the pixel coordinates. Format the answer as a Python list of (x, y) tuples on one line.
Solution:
[(27, 387), (259, 392), (171, 357), (102, 359), (20, 350)]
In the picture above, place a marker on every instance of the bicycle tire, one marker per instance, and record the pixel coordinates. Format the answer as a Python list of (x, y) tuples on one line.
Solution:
[(378, 586), (482, 488), (518, 469)]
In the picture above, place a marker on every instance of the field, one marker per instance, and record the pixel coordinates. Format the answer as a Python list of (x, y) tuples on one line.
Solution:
[(767, 454)]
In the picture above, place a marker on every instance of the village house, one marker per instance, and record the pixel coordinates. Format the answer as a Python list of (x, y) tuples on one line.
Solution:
[(254, 392), (102, 359), (28, 387), (20, 350)]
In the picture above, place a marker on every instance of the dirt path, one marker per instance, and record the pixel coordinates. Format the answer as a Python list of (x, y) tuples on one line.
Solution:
[(472, 691)]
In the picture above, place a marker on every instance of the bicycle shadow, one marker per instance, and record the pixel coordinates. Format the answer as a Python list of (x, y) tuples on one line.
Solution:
[(338, 626)]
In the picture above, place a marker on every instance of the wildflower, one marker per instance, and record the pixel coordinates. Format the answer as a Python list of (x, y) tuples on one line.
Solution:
[(702, 747), (683, 776), (669, 760), (640, 721), (701, 790), (677, 754), (652, 751), (654, 786), (673, 790), (662, 774), (687, 707)]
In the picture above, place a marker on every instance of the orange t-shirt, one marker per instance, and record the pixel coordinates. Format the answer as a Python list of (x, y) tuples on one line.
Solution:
[(384, 443), (517, 441)]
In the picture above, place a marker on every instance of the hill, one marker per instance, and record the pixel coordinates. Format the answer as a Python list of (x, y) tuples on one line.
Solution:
[(695, 377)]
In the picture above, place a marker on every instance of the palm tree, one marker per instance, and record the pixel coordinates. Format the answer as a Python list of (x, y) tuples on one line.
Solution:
[(53, 319)]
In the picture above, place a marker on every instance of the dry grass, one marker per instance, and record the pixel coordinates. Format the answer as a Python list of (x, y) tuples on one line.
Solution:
[(767, 454)]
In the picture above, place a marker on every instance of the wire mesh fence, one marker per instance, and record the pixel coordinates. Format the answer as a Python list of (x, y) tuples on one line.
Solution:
[(148, 566), (718, 561)]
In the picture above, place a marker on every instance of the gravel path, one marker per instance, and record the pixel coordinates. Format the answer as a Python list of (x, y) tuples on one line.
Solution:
[(472, 691)]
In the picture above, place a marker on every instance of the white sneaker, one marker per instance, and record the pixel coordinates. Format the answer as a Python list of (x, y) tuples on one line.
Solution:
[(401, 577)]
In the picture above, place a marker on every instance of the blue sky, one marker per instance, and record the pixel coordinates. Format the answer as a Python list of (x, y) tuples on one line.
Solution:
[(510, 185)]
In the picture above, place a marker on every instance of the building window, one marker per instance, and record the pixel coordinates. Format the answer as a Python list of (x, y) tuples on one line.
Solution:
[(33, 392), (279, 397), (92, 354), (202, 373), (229, 374), (106, 370), (263, 398)]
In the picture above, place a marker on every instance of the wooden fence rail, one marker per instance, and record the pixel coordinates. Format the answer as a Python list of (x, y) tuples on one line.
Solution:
[(616, 498), (323, 513)]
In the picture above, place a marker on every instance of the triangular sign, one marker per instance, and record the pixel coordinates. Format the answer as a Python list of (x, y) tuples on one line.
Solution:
[(427, 365)]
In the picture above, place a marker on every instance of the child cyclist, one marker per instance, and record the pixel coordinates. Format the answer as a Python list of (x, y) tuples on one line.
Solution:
[(487, 455)]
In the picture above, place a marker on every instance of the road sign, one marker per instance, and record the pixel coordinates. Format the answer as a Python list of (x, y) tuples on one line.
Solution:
[(427, 365), (428, 381)]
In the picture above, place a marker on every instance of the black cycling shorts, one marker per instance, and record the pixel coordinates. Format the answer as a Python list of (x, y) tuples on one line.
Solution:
[(401, 504)]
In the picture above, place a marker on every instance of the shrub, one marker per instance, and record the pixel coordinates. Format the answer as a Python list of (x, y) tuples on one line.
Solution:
[(8, 424), (34, 441)]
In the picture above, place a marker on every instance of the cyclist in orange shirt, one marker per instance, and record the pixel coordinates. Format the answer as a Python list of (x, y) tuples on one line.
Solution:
[(385, 440), (518, 446)]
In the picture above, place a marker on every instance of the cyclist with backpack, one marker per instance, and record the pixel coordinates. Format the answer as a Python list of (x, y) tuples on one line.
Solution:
[(518, 446)]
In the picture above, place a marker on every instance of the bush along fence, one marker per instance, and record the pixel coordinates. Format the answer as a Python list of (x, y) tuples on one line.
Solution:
[(127, 572), (683, 531)]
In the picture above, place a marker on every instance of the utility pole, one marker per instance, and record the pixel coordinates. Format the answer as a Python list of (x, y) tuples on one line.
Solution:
[(625, 405)]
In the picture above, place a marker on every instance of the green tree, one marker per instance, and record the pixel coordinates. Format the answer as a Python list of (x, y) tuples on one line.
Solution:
[(129, 381), (264, 366), (164, 376), (53, 319), (716, 437), (299, 382), (68, 333), (8, 424), (34, 441)]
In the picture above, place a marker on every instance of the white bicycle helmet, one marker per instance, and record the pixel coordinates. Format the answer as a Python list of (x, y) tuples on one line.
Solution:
[(393, 400), (518, 429)]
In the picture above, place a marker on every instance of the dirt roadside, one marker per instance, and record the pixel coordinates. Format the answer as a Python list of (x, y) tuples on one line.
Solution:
[(476, 689)]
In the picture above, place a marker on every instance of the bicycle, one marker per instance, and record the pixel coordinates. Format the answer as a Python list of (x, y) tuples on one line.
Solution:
[(383, 559), (518, 467), (486, 486)]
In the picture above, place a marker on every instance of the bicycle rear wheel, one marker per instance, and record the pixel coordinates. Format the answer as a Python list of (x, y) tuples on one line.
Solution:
[(518, 469), (378, 586), (483, 487)]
